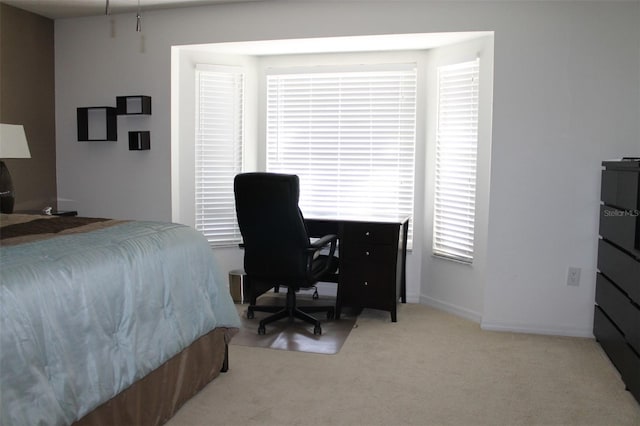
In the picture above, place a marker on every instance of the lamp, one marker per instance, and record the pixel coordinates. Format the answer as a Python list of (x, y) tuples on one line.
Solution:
[(13, 144)]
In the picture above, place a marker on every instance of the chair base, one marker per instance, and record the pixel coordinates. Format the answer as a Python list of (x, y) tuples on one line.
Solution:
[(291, 311)]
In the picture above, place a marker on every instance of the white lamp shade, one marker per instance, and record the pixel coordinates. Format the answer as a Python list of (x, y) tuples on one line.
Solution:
[(13, 141)]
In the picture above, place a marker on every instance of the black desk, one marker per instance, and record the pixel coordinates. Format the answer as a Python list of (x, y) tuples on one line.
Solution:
[(373, 254)]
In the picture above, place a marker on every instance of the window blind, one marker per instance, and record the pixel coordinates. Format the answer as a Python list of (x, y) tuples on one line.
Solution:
[(456, 161), (218, 150), (349, 136)]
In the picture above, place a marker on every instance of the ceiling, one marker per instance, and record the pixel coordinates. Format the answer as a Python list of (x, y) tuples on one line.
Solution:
[(56, 9)]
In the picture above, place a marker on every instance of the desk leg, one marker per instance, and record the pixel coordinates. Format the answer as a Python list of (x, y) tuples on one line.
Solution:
[(338, 298), (403, 274)]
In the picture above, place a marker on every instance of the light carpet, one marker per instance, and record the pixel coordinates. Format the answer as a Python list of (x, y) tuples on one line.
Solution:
[(429, 368)]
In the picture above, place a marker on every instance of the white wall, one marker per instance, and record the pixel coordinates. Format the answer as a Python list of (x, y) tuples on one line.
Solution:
[(568, 100), (566, 96), (452, 286)]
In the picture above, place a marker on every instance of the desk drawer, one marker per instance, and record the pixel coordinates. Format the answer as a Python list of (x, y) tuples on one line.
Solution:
[(371, 233), (368, 288), (619, 309), (370, 254), (621, 268)]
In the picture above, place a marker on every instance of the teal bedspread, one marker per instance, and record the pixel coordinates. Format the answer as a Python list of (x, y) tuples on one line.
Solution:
[(86, 315)]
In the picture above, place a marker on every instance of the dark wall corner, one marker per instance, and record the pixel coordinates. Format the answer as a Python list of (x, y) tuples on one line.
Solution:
[(27, 97)]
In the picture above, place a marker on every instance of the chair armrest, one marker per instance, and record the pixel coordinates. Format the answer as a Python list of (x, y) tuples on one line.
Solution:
[(317, 245), (321, 242)]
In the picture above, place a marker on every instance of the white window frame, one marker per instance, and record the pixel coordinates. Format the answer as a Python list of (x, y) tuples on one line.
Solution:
[(454, 209), (219, 141)]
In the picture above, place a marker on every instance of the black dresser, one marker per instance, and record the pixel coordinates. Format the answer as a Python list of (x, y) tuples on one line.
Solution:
[(617, 312)]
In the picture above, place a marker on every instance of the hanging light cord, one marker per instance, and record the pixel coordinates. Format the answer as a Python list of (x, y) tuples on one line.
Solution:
[(138, 19), (107, 11)]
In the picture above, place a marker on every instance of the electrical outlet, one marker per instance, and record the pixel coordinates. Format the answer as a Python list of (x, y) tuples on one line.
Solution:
[(573, 276)]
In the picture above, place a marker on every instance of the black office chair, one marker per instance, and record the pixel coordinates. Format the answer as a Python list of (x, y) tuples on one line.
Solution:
[(277, 248)]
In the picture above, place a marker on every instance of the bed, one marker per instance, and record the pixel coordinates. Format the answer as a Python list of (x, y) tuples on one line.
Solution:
[(107, 321)]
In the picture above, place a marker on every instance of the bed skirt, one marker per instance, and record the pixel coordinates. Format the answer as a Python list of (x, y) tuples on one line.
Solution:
[(155, 398)]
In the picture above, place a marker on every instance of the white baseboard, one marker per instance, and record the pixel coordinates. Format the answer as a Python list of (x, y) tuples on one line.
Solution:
[(452, 309), (329, 289), (537, 329), (503, 326), (413, 298)]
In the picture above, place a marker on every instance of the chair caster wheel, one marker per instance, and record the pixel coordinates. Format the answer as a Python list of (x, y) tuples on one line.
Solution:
[(315, 295), (262, 330), (250, 314), (317, 330)]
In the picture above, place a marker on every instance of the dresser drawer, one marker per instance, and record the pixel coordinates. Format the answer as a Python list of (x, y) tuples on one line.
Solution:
[(621, 268), (624, 314), (622, 356), (621, 189), (371, 233), (622, 227)]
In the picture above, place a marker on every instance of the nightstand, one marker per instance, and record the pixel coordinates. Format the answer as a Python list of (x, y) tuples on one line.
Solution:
[(64, 213), (53, 212)]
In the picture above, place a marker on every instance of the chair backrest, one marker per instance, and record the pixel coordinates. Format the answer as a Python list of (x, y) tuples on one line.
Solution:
[(273, 229)]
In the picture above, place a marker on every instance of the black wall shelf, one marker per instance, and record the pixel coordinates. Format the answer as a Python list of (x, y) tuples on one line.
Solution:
[(140, 140), (97, 124), (133, 105)]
